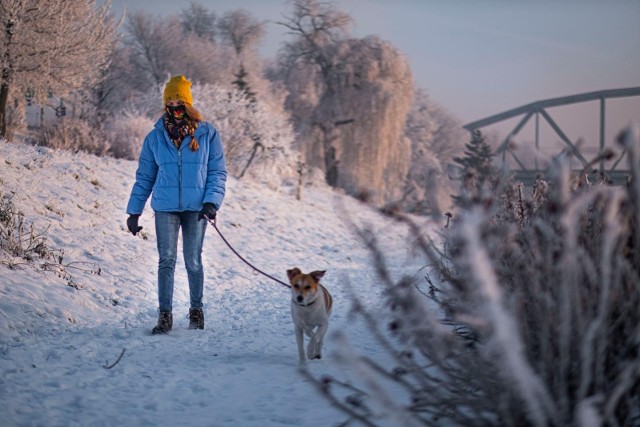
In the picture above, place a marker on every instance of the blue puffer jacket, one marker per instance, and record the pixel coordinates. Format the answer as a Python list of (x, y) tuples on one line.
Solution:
[(181, 180)]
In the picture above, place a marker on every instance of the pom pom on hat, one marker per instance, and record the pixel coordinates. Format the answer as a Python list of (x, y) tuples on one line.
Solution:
[(178, 89)]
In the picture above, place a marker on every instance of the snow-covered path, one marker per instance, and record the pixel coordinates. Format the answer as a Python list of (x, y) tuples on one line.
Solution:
[(55, 339)]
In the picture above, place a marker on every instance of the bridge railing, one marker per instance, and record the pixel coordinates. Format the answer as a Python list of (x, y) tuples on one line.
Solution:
[(539, 109), (616, 177)]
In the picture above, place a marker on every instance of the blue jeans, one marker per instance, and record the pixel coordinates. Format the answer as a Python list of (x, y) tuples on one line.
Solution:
[(167, 226)]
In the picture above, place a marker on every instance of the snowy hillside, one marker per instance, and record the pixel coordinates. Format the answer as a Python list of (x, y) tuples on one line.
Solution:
[(58, 335)]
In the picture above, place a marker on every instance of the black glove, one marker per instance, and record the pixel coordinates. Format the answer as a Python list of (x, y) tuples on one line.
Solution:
[(132, 224), (208, 211)]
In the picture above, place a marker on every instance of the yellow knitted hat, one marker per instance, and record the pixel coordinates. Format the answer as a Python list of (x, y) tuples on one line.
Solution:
[(178, 89)]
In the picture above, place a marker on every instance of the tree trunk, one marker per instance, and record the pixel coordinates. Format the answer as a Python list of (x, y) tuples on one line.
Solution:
[(300, 170), (4, 96), (329, 153), (257, 144), (9, 29), (331, 164)]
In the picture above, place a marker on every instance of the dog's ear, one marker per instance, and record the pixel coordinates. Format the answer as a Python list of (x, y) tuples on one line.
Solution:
[(293, 273), (317, 275)]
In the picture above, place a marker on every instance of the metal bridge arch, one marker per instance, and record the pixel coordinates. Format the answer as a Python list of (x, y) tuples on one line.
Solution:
[(537, 109)]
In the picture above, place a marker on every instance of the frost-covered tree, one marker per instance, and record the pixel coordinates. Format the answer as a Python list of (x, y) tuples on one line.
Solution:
[(308, 61), (51, 46), (150, 42), (350, 98), (115, 86), (157, 47), (436, 137), (315, 27), (205, 62), (448, 136), (160, 46), (199, 21), (257, 139), (240, 30)]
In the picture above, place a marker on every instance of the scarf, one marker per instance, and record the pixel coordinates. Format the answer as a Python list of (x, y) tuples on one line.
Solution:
[(177, 132)]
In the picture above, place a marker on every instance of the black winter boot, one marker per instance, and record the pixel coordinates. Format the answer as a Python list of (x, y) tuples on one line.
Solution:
[(196, 318), (165, 323)]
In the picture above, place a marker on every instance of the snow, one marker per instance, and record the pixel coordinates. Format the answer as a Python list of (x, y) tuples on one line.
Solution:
[(57, 341)]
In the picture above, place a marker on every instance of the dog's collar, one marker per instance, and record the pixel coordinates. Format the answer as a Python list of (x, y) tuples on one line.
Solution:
[(304, 305)]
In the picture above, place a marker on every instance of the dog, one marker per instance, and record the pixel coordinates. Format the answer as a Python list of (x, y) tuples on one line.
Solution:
[(311, 305)]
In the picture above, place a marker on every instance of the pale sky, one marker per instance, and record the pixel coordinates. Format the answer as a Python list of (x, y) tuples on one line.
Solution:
[(481, 57)]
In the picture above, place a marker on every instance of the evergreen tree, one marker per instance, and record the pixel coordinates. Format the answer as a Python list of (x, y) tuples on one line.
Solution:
[(476, 169), (242, 84)]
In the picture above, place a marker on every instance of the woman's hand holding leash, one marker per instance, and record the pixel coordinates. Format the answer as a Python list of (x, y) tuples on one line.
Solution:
[(208, 211)]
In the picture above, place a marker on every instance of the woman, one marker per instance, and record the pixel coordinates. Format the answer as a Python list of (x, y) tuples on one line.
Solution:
[(182, 163)]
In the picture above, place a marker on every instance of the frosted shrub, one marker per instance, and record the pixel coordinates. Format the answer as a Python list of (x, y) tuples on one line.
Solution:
[(126, 134), (73, 134), (529, 316), (21, 245), (148, 103), (18, 240)]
